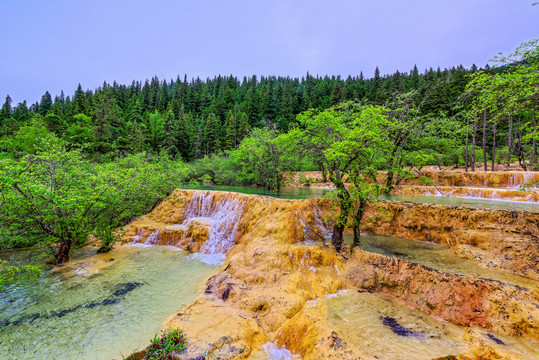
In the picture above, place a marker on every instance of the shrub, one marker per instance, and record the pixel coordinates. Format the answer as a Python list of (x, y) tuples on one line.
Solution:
[(163, 347)]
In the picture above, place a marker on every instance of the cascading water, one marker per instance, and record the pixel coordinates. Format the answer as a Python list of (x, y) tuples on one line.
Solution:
[(274, 352), (314, 231), (221, 215), (523, 179), (153, 238)]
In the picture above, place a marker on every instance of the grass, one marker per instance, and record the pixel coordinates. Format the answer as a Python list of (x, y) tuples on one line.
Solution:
[(172, 341)]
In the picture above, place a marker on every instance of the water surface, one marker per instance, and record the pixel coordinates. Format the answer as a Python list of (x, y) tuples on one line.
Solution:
[(293, 193), (99, 307), (310, 193), (467, 202), (359, 320), (435, 256)]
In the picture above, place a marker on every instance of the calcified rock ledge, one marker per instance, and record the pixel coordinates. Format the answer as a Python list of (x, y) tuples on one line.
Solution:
[(531, 195), (268, 286), (501, 239), (454, 178)]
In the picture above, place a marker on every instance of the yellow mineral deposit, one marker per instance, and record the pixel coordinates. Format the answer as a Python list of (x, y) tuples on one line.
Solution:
[(512, 194), (282, 293)]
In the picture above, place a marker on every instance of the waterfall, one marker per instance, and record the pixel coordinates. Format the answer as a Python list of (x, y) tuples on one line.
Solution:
[(223, 216), (153, 238), (517, 180), (220, 214), (315, 231)]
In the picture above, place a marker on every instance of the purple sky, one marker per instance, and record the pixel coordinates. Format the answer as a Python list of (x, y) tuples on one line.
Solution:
[(54, 45)]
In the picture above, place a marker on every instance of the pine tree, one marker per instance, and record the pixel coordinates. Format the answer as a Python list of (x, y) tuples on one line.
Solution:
[(46, 104), (5, 112), (251, 104), (79, 104), (170, 141), (21, 113), (133, 112), (414, 80), (243, 127), (156, 131), (107, 122), (184, 137), (231, 131), (338, 94), (212, 133)]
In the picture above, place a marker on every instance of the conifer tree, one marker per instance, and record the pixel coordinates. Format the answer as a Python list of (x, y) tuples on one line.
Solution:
[(212, 134), (171, 128), (107, 121), (156, 131), (46, 104), (252, 102), (184, 137), (5, 112), (79, 104), (338, 95)]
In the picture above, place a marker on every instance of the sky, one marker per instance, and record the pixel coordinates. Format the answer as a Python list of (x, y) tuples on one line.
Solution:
[(55, 45)]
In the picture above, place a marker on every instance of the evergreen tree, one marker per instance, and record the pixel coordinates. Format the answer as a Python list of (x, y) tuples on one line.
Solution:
[(184, 134), (46, 104), (251, 103), (79, 104), (5, 112), (338, 94), (212, 134), (107, 122), (171, 130), (21, 112), (156, 131)]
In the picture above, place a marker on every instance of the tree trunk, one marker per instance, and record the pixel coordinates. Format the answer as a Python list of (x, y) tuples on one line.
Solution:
[(338, 228), (520, 151), (324, 172), (534, 145), (389, 181), (466, 161), (493, 144), (63, 253), (474, 137), (509, 142), (485, 139), (235, 131), (358, 216)]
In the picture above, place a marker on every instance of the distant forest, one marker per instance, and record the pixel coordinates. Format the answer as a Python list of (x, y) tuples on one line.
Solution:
[(191, 119), (194, 118)]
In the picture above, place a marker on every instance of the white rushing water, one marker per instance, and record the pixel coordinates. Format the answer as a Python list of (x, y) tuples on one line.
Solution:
[(278, 353), (223, 217)]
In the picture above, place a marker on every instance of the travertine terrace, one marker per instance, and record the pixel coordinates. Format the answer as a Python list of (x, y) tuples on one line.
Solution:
[(275, 278)]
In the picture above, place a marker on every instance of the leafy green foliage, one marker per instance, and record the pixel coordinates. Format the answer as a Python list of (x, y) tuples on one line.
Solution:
[(58, 199), (171, 342), (10, 274), (348, 140)]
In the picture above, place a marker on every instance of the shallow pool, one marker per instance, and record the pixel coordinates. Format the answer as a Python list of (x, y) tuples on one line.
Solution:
[(310, 193), (98, 307)]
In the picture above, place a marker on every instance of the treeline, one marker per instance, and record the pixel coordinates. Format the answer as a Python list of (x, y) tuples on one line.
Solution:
[(194, 118)]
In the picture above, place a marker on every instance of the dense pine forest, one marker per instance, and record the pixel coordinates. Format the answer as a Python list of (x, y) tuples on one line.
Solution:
[(194, 118)]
